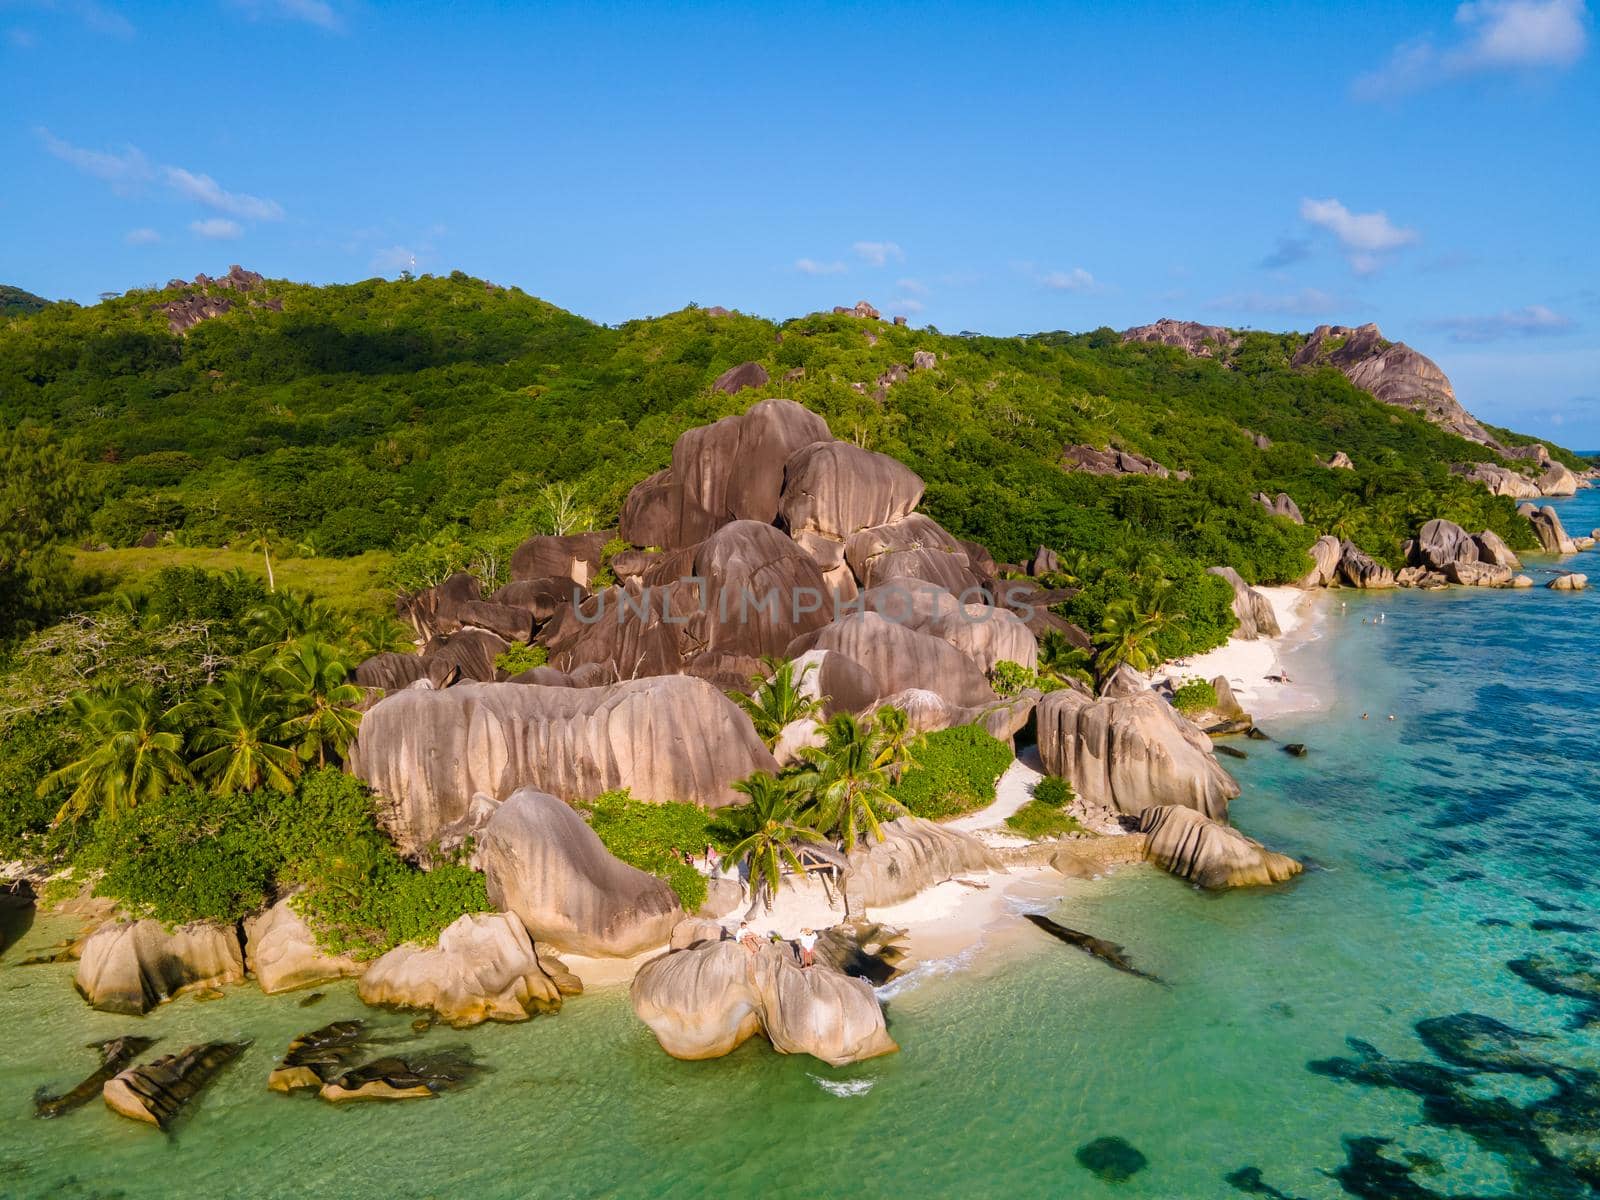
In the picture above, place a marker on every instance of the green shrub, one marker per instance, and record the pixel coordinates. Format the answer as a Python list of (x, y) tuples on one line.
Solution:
[(955, 772), (34, 745), (1053, 791), (1008, 678), (654, 837), (1036, 819), (521, 657), (1195, 696)]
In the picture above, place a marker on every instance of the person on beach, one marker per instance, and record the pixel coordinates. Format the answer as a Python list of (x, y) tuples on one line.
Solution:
[(808, 948), (713, 859)]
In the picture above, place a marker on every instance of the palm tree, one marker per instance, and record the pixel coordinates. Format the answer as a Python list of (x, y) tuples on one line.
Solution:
[(238, 739), (1128, 635), (134, 751), (374, 635), (841, 782), (773, 810), (1060, 659), (777, 700), (893, 739), (262, 539), (321, 703), (284, 618)]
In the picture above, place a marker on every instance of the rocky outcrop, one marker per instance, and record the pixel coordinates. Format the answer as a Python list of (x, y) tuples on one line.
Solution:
[(1569, 581), (427, 753), (484, 968), (1193, 338), (913, 856), (1130, 750), (132, 966), (928, 712), (542, 862), (984, 633), (1359, 569), (1192, 846), (1501, 481), (315, 1057), (1394, 373), (900, 657), (1281, 506), (282, 952), (834, 489), (115, 1056), (1114, 462), (1478, 574), (541, 598), (1547, 527), (860, 309), (836, 681), (914, 547), (437, 610), (158, 1092), (736, 379), (924, 360), (574, 556), (1558, 481), (1340, 462), (1325, 553), (1440, 543), (467, 654), (1253, 610), (1493, 549), (705, 1000)]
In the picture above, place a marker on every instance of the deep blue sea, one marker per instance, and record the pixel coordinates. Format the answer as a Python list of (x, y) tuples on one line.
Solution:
[(1410, 1019)]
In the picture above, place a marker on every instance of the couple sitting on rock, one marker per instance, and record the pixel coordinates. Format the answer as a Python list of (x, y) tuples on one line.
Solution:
[(807, 941)]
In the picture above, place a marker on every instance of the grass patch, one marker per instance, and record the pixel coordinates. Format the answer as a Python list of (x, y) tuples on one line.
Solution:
[(955, 772), (1037, 819), (352, 585)]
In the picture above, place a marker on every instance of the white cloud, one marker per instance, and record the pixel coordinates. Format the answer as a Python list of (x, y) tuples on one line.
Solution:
[(878, 254), (206, 191), (1366, 237), (914, 287), (1307, 302), (810, 266), (312, 12), (907, 305), (141, 237), (392, 259), (125, 172), (1075, 280), (216, 228), (1533, 321), (1491, 35)]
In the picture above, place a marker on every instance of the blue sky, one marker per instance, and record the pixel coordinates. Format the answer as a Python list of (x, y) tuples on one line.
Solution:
[(1432, 167)]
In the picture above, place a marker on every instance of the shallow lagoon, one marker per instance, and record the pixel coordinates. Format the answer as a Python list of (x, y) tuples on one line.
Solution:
[(1478, 803)]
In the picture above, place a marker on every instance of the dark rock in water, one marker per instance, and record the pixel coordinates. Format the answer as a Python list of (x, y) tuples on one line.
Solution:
[(1495, 923), (1367, 1173), (1563, 972), (1230, 751), (1107, 952), (1111, 1159), (399, 1079), (865, 950), (1481, 1043), (1370, 1068), (1298, 749), (316, 1057), (308, 1001), (1256, 735), (114, 1056), (1544, 925), (1248, 1180), (159, 1091)]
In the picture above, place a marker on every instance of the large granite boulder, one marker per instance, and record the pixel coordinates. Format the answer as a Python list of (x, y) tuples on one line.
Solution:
[(1325, 553), (914, 547), (836, 488), (929, 712), (542, 862), (1130, 750), (509, 623), (1281, 506), (1568, 581), (468, 654), (575, 556), (1192, 846), (437, 609), (541, 598), (132, 966), (1253, 610), (900, 657), (391, 671), (282, 952), (707, 999), (484, 968), (1440, 543), (913, 856), (1478, 574), (1547, 527), (158, 1092), (1493, 549), (1359, 569), (1501, 481), (1112, 462), (836, 681), (984, 633), (736, 379), (1193, 338), (1394, 373), (427, 753), (1558, 481)]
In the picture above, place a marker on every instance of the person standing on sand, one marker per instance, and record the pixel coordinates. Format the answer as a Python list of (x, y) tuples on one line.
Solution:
[(808, 948)]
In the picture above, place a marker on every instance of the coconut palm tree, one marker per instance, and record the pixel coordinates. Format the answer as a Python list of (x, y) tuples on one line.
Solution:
[(843, 787), (264, 539), (134, 751), (1128, 636), (893, 740), (1060, 659), (777, 699), (284, 618), (375, 635), (322, 706), (239, 737), (772, 810)]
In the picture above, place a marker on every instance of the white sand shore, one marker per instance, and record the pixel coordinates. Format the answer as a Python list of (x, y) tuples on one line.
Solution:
[(1253, 668)]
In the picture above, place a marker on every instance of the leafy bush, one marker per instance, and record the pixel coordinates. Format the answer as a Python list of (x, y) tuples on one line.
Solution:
[(654, 838), (33, 745), (1037, 819), (1008, 678), (1053, 791), (1195, 696), (521, 657), (955, 772)]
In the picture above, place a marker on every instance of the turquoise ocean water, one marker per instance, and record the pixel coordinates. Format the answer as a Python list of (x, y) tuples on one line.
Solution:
[(1442, 846)]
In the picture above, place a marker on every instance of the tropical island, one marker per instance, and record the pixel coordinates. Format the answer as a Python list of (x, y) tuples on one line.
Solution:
[(423, 634)]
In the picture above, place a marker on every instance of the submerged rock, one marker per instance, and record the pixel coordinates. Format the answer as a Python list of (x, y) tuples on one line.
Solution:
[(703, 1001), (114, 1056), (402, 1079), (1482, 1043), (1194, 847), (158, 1092), (1111, 1158), (132, 966), (316, 1057), (1107, 952), (1563, 972)]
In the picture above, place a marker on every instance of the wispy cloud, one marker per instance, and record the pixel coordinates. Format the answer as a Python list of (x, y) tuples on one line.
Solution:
[(217, 229), (1365, 237), (878, 254), (810, 266), (1307, 302), (1286, 253), (141, 237), (1075, 280), (130, 172), (913, 287), (1534, 321), (906, 305), (1489, 35), (312, 12), (394, 258)]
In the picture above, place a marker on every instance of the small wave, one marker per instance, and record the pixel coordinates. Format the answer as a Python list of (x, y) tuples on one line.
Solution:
[(935, 968), (1021, 906), (844, 1087)]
